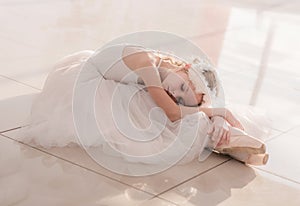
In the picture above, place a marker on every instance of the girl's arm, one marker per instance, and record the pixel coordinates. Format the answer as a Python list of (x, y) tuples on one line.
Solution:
[(140, 62), (212, 112)]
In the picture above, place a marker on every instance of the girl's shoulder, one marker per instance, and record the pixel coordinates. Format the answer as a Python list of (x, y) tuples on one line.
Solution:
[(136, 57)]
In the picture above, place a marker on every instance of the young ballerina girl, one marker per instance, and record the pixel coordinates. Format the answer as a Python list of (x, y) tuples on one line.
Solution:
[(178, 80), (150, 80)]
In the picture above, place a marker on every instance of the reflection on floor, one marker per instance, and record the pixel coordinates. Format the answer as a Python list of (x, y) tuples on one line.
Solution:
[(255, 47)]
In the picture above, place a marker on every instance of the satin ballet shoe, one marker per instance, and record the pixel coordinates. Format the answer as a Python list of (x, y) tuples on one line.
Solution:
[(244, 148), (246, 156), (241, 141)]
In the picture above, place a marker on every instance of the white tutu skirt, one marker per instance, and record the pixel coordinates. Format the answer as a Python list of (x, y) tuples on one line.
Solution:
[(128, 120)]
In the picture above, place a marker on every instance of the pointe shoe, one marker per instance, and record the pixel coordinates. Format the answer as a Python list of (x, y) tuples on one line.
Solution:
[(244, 148), (248, 158)]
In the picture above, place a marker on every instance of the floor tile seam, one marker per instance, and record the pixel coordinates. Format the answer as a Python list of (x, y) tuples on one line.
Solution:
[(278, 175), (8, 130), (41, 150), (193, 177), (282, 133), (138, 188), (164, 199), (271, 173), (25, 84), (78, 165)]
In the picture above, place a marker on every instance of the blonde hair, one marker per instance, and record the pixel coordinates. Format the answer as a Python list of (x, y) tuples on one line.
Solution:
[(169, 58), (200, 64), (202, 75)]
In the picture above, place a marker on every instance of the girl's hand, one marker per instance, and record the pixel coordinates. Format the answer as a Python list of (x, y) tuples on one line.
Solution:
[(219, 130), (228, 116)]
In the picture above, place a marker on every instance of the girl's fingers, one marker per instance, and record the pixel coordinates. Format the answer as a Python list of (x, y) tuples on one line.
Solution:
[(231, 121), (227, 138), (221, 136), (210, 130), (215, 136), (220, 143), (229, 135), (237, 124), (241, 127)]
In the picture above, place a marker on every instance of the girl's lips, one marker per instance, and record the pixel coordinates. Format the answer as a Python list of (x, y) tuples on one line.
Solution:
[(187, 66)]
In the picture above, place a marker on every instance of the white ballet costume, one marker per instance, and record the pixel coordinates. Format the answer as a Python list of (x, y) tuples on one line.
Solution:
[(51, 122)]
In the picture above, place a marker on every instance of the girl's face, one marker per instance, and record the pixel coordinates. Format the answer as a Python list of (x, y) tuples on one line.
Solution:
[(181, 88), (177, 83)]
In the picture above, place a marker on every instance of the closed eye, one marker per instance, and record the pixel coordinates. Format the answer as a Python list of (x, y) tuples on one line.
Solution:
[(182, 87)]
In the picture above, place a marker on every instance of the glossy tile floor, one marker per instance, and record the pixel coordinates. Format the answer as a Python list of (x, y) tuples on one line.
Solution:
[(255, 45)]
